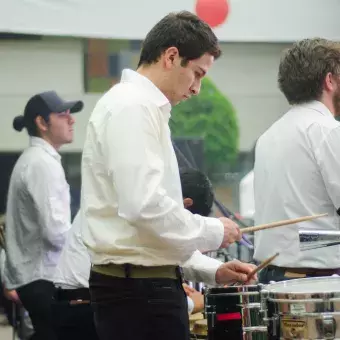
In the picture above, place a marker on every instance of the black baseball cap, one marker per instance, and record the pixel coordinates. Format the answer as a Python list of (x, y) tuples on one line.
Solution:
[(43, 104)]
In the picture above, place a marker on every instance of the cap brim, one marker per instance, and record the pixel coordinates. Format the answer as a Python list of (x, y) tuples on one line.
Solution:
[(73, 106)]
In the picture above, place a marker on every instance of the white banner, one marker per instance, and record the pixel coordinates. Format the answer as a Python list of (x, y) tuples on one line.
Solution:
[(247, 20)]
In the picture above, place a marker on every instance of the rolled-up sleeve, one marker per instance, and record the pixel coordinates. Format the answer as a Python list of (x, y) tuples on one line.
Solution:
[(136, 164), (50, 193)]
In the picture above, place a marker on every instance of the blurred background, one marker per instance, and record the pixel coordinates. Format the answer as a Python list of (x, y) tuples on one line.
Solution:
[(79, 48)]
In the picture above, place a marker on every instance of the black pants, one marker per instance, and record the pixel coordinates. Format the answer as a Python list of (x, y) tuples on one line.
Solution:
[(36, 298), (273, 273), (73, 321), (143, 309)]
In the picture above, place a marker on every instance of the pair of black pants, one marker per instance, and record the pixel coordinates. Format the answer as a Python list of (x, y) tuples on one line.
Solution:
[(36, 298), (273, 273), (73, 321), (143, 309)]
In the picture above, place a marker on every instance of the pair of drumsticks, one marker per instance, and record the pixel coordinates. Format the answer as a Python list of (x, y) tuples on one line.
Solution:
[(266, 262)]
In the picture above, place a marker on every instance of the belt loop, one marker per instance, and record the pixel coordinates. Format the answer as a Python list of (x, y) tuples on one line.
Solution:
[(127, 269), (179, 273)]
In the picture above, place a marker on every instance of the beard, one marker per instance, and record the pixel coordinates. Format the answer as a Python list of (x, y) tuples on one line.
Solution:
[(336, 102)]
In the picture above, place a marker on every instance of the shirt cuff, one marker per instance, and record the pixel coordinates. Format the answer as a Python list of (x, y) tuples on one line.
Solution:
[(201, 268), (190, 305), (214, 234)]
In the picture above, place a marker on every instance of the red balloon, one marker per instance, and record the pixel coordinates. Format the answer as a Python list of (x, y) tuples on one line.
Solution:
[(213, 12)]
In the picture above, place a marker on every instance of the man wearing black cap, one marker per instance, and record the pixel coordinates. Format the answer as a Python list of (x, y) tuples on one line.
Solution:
[(38, 207)]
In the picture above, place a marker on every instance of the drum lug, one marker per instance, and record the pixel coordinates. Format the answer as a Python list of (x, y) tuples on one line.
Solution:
[(327, 327), (263, 307), (210, 311)]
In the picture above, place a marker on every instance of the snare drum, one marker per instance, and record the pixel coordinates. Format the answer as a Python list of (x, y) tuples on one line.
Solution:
[(306, 308), (234, 313)]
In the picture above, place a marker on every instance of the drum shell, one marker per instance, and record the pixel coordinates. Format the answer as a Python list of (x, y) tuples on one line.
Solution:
[(313, 314), (234, 313)]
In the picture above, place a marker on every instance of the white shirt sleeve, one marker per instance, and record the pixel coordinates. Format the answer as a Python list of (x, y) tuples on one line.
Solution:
[(328, 159), (191, 305), (51, 195), (136, 164), (201, 268), (2, 264)]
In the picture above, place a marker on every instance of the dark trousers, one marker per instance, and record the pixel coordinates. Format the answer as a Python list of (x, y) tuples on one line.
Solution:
[(74, 319), (273, 273), (36, 298), (143, 309)]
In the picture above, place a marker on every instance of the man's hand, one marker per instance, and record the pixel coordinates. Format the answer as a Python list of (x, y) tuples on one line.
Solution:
[(235, 271), (232, 232), (188, 290), (12, 295), (198, 299)]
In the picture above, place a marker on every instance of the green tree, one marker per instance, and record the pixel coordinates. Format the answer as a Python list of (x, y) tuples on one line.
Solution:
[(211, 116)]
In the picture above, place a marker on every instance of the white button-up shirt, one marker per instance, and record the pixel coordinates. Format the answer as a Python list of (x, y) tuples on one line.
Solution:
[(38, 215), (131, 191), (297, 173), (73, 270)]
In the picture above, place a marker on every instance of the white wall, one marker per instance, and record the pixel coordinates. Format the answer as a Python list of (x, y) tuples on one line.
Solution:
[(249, 20), (27, 68), (246, 73)]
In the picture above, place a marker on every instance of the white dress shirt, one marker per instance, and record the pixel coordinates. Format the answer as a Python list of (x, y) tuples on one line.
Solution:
[(38, 215), (297, 173), (131, 191), (73, 270)]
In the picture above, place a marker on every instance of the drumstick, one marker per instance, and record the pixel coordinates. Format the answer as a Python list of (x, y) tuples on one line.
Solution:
[(280, 223), (262, 265)]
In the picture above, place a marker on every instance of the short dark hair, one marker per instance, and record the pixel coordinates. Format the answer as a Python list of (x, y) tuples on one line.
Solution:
[(304, 66), (183, 30), (196, 185)]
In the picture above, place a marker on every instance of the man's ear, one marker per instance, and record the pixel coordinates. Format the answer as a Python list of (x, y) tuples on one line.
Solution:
[(188, 202)]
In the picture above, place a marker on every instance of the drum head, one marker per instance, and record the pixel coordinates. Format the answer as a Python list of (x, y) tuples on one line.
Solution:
[(307, 285), (315, 288)]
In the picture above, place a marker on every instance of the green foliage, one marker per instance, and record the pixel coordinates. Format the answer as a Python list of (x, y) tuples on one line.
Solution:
[(212, 117)]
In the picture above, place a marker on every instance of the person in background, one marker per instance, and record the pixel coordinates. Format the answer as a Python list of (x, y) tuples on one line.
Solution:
[(72, 308), (297, 163), (38, 207)]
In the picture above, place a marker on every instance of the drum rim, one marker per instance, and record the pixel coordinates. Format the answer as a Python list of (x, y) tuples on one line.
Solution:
[(272, 288), (235, 290)]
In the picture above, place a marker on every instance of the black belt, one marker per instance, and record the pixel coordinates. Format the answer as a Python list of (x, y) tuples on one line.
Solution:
[(72, 294)]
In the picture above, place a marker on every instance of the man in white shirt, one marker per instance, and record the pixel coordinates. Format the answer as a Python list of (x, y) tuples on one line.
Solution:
[(73, 315), (137, 230), (297, 163), (38, 207)]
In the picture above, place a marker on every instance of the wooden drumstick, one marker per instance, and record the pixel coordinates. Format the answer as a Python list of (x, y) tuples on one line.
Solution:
[(262, 265), (281, 223)]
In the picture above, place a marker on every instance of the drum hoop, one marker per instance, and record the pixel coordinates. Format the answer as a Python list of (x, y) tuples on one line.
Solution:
[(234, 294), (316, 300), (235, 289)]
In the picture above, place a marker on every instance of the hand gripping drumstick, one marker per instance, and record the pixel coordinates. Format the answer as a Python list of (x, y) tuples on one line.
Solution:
[(264, 264), (280, 223)]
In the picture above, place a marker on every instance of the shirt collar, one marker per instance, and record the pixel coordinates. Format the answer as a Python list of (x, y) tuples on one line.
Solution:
[(41, 143), (318, 106), (154, 93)]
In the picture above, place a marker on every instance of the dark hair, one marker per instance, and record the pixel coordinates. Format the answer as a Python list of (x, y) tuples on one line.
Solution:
[(19, 122), (183, 30), (304, 66), (196, 185)]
